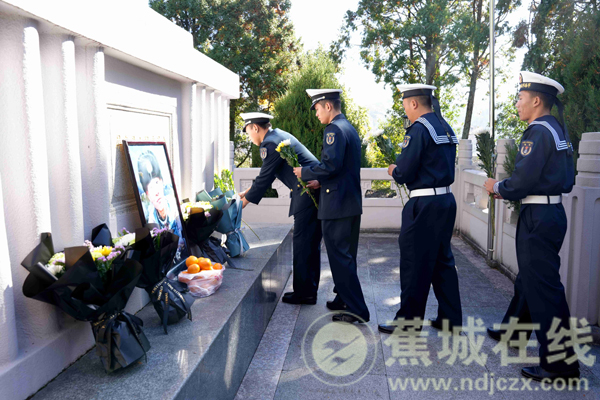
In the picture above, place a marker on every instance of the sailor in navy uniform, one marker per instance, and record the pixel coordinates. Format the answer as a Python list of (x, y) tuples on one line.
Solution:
[(426, 167), (340, 206), (544, 170), (307, 228)]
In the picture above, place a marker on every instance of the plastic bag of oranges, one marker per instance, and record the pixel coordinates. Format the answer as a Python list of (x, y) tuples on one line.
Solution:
[(202, 276)]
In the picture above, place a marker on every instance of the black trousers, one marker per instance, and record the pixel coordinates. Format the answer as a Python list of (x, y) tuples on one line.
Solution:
[(341, 240), (539, 294), (307, 252), (426, 258)]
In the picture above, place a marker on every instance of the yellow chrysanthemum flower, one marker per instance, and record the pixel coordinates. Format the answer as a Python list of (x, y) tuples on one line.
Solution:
[(96, 255), (106, 251)]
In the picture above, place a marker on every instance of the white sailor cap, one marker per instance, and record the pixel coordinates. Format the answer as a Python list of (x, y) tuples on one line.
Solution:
[(255, 118), (416, 89), (539, 83), (316, 95)]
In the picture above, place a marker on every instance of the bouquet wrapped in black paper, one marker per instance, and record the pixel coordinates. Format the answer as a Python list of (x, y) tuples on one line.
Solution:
[(91, 284), (155, 249)]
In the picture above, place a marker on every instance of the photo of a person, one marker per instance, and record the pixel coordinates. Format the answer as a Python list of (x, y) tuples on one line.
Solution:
[(157, 197), (160, 210)]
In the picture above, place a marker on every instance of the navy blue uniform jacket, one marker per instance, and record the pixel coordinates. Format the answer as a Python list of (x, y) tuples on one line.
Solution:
[(543, 165), (428, 154), (339, 171), (276, 167)]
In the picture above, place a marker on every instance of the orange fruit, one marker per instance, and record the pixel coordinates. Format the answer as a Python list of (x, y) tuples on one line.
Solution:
[(204, 263), (191, 260), (193, 269), (217, 266)]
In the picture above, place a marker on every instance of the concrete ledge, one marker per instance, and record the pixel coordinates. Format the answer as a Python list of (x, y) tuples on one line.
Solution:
[(206, 358)]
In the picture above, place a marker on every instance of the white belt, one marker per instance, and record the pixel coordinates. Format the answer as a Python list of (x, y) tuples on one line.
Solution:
[(429, 192), (542, 200)]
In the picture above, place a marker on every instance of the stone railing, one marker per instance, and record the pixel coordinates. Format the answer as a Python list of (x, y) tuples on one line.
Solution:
[(378, 213), (580, 253)]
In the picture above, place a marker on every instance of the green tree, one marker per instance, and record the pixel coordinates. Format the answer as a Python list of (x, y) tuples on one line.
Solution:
[(474, 22), (410, 41), (253, 38), (292, 110), (561, 41)]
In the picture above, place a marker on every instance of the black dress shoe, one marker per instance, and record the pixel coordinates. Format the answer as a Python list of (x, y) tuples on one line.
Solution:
[(347, 318), (296, 299), (336, 305), (538, 373), (496, 334), (439, 324), (389, 329)]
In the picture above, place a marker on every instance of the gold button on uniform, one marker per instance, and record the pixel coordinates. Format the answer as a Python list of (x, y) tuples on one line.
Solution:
[(291, 190), (298, 185), (327, 190)]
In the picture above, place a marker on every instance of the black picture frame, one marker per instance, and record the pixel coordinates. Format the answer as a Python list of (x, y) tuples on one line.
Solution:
[(139, 154)]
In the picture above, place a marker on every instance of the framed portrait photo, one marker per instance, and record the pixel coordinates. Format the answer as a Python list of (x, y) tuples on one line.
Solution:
[(154, 187)]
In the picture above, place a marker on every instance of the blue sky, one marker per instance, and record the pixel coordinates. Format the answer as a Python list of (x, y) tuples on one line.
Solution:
[(318, 22)]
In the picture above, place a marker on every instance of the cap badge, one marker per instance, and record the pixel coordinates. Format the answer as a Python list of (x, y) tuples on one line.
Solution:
[(263, 153)]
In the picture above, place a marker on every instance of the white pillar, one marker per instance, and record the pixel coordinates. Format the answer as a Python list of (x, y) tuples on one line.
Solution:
[(8, 330), (188, 99), (24, 171), (94, 138), (219, 132), (580, 253), (204, 133), (465, 161), (502, 210), (213, 129), (225, 134), (62, 135)]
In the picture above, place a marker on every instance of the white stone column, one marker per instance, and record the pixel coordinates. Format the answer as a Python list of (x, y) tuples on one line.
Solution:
[(9, 346), (219, 132), (213, 129), (188, 116), (465, 161), (24, 172), (94, 137), (62, 135), (580, 254), (225, 141), (204, 135), (502, 210)]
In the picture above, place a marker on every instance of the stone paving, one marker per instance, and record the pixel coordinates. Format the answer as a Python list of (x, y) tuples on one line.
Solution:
[(278, 370)]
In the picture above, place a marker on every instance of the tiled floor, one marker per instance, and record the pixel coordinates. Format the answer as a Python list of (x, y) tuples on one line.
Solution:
[(279, 371)]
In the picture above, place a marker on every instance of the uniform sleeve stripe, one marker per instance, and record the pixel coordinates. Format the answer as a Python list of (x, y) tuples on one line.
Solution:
[(437, 139), (560, 144)]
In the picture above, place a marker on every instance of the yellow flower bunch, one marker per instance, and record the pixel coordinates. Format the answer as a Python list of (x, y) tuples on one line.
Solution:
[(284, 143)]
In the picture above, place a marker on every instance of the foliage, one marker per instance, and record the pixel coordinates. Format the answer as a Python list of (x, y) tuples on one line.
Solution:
[(225, 181), (474, 22), (406, 41), (292, 110), (561, 41), (508, 123), (253, 38), (485, 152), (512, 149)]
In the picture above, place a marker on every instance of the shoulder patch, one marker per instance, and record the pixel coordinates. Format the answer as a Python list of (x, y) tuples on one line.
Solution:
[(330, 138), (263, 152), (526, 147), (406, 141)]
